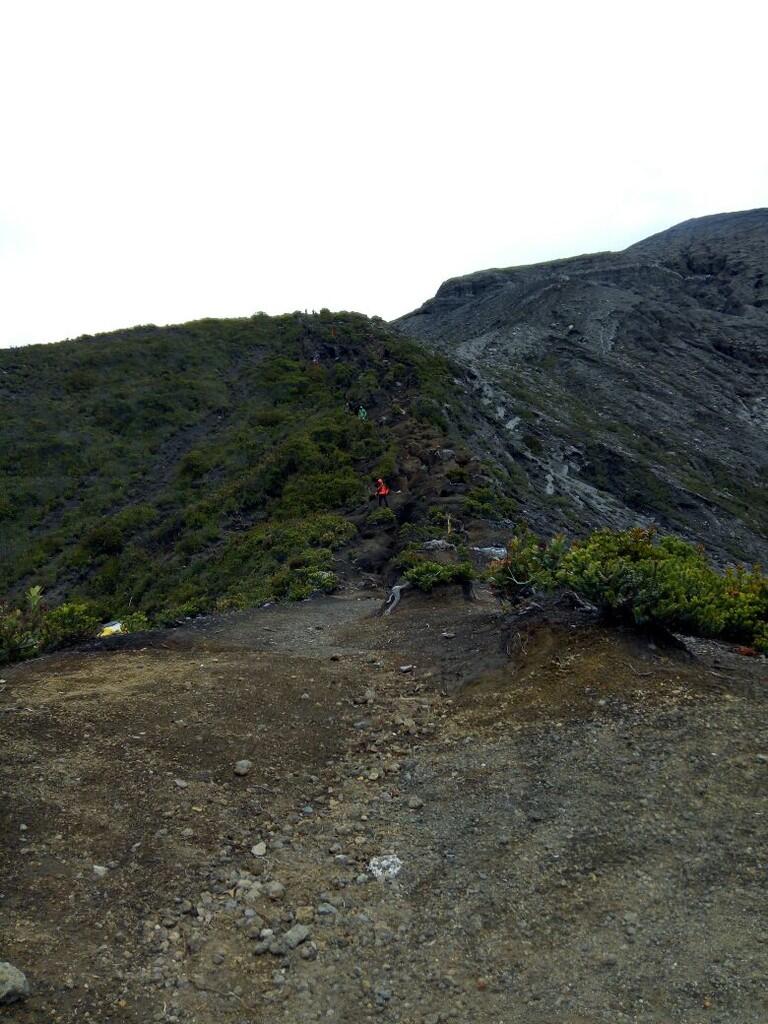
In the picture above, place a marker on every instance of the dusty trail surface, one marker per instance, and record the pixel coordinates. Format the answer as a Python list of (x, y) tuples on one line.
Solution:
[(579, 816)]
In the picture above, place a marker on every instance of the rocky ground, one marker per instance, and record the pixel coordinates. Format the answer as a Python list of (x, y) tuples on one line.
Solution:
[(569, 822)]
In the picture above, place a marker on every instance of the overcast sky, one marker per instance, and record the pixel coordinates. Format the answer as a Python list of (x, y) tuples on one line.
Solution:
[(163, 161)]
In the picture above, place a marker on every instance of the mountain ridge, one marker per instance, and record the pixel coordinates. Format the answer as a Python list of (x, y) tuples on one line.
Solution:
[(183, 469), (665, 342)]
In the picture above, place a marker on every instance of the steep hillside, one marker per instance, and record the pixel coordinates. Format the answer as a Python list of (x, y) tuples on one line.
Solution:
[(218, 463), (627, 387)]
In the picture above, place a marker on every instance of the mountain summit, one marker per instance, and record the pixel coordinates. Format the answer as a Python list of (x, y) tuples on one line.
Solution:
[(628, 386)]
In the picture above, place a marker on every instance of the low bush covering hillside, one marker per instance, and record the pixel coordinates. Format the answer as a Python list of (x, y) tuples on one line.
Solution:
[(639, 577), (209, 465)]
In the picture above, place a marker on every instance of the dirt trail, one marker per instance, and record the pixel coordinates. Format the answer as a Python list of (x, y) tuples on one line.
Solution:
[(580, 819)]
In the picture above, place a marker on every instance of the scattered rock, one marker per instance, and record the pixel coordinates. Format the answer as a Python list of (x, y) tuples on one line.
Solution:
[(99, 870), (407, 668), (181, 783), (490, 554), (13, 984), (243, 767), (438, 545), (387, 866), (296, 935), (309, 951), (274, 890), (260, 849), (415, 803)]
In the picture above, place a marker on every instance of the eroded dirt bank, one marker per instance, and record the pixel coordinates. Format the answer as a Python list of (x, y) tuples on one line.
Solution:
[(581, 828)]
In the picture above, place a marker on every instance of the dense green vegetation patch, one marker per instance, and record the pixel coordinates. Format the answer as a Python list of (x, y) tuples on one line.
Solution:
[(426, 575), (641, 577), (175, 470)]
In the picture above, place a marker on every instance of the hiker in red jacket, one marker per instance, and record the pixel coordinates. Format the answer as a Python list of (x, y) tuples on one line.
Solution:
[(381, 492)]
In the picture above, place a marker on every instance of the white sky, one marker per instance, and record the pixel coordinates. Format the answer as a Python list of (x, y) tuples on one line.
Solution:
[(163, 161)]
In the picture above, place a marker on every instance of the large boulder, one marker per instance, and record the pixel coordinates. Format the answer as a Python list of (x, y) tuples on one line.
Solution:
[(13, 984)]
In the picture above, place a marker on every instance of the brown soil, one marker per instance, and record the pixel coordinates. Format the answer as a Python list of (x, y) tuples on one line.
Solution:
[(590, 848)]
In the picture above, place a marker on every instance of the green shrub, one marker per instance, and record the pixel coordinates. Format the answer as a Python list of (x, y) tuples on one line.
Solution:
[(430, 411), (268, 418), (67, 624), (382, 517), (297, 584), (426, 575), (386, 466), (104, 539), (317, 492), (31, 629), (17, 637), (415, 533), (638, 577), (135, 622), (486, 503)]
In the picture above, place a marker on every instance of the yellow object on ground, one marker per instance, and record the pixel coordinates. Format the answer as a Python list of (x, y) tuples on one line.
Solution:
[(111, 628)]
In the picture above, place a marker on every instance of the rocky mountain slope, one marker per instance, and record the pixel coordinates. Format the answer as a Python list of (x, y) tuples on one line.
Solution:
[(219, 464), (627, 387), (456, 812)]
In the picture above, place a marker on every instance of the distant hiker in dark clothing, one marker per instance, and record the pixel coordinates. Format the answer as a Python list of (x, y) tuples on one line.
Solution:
[(381, 493)]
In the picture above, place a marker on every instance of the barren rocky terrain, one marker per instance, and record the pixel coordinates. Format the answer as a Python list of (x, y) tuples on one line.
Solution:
[(628, 386), (193, 821)]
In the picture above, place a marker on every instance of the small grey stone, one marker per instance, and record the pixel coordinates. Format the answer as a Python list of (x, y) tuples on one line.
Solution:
[(99, 870), (13, 984), (296, 935), (309, 951), (243, 767), (181, 783), (274, 890), (415, 802), (259, 849)]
